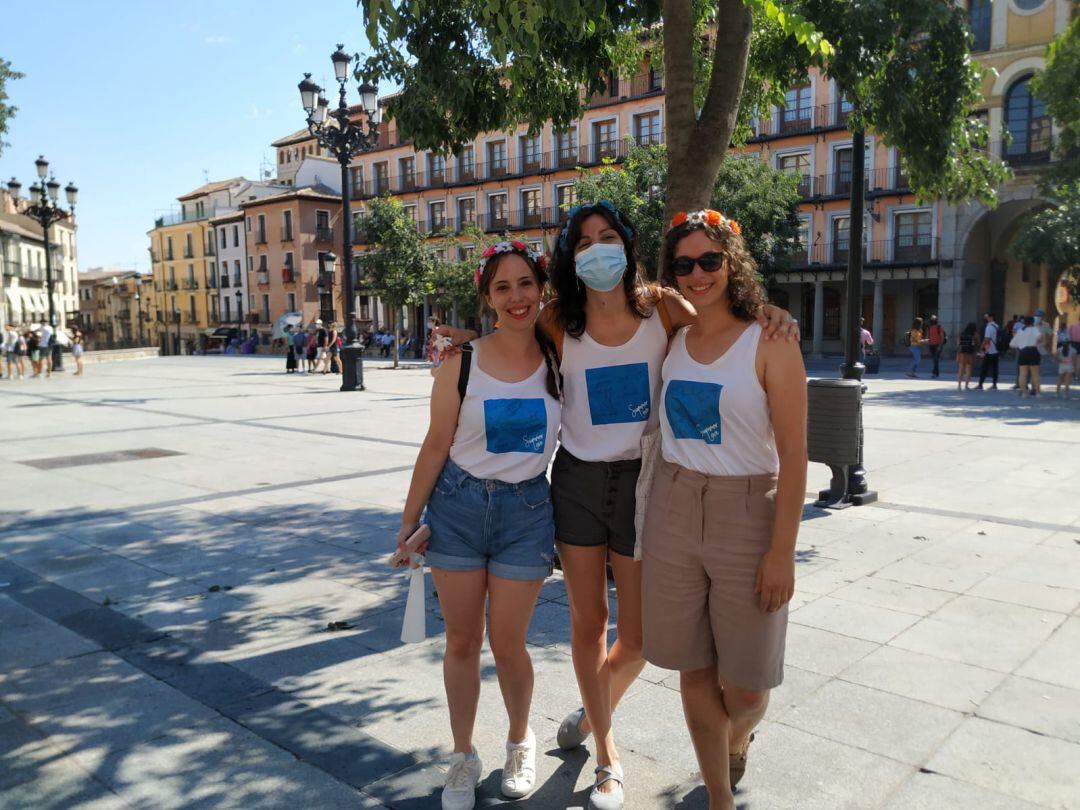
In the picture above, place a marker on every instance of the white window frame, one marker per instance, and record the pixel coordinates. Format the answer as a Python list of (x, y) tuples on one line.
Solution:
[(647, 111), (591, 124), (834, 146)]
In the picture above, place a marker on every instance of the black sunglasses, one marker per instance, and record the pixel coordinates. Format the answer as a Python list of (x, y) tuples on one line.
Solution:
[(709, 262)]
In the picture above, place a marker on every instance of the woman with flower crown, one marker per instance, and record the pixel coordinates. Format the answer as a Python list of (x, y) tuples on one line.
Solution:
[(726, 500), (481, 474)]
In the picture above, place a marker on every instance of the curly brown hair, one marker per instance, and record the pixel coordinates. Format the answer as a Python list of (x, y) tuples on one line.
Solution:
[(744, 288)]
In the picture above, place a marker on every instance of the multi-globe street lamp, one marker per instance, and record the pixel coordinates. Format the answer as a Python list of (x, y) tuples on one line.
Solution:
[(45, 208), (344, 139)]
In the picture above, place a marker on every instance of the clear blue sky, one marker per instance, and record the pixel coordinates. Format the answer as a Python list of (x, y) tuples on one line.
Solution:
[(134, 100)]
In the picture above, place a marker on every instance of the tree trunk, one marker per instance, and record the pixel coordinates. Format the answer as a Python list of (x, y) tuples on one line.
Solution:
[(398, 327), (696, 144)]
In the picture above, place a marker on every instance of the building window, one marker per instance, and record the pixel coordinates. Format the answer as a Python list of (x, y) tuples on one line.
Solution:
[(260, 234), (168, 249), (531, 209), (236, 270), (288, 274), (247, 224), (290, 302), (529, 148), (250, 264), (356, 179), (842, 171), (466, 211), (797, 113), (436, 169), (286, 226), (912, 240), (841, 238), (797, 164), (223, 239), (980, 13), (437, 215), (189, 251), (800, 256), (1028, 5), (647, 128), (228, 308), (605, 139), (566, 145), (410, 211), (467, 164), (497, 211), (496, 155), (382, 178), (565, 198), (236, 236), (322, 226), (265, 316), (407, 173), (1028, 124)]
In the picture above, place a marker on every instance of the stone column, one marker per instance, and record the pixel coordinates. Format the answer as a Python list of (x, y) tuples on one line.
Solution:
[(819, 320), (879, 314)]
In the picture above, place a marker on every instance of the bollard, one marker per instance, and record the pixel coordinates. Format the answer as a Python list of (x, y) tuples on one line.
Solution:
[(834, 437)]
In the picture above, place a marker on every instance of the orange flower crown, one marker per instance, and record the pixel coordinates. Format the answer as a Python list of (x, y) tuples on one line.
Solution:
[(706, 216)]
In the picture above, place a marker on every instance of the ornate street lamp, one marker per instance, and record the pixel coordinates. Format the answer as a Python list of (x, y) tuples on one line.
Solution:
[(344, 140), (240, 312), (45, 209)]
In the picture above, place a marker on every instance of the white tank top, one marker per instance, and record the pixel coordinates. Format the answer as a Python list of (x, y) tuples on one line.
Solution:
[(505, 431), (610, 392), (715, 418)]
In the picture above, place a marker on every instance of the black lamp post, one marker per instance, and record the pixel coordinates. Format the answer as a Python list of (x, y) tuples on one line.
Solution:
[(344, 140), (45, 208), (240, 312), (138, 311)]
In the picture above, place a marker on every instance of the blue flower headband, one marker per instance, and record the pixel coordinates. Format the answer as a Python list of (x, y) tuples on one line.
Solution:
[(624, 226)]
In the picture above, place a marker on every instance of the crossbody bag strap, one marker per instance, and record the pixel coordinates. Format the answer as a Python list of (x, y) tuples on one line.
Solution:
[(466, 367)]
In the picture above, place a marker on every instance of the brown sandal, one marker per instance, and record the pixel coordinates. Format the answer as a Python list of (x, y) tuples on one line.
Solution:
[(737, 763)]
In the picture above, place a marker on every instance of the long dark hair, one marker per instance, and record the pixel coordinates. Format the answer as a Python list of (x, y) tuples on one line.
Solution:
[(547, 347), (569, 302)]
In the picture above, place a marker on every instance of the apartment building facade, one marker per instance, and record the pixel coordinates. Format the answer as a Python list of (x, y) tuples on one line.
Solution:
[(118, 309), (231, 247), (288, 237)]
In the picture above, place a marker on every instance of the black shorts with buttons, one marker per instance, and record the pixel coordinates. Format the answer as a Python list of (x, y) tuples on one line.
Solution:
[(594, 502)]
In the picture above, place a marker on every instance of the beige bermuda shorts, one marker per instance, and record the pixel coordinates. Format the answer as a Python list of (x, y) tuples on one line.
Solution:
[(704, 539)]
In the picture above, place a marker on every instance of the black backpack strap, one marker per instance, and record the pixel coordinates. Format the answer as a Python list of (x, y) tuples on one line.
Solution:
[(466, 367)]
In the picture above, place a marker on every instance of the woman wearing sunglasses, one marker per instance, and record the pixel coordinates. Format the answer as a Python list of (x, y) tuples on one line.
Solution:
[(725, 505), (611, 332)]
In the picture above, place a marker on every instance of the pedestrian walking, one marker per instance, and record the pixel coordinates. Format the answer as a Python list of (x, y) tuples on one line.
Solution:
[(965, 355), (1066, 360), (333, 345), (989, 352), (77, 351), (1027, 342), (914, 340), (481, 473), (290, 348), (724, 510), (299, 343), (322, 355), (14, 352), (936, 338), (45, 344), (33, 344), (866, 341)]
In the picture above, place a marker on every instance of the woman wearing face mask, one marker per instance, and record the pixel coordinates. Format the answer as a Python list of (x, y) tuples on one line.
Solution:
[(724, 510), (611, 332), (481, 473)]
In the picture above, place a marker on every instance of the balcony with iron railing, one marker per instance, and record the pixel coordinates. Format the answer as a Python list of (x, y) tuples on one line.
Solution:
[(177, 217), (788, 121), (912, 249), (324, 235), (262, 277), (625, 89), (224, 281), (191, 284), (591, 154), (288, 275)]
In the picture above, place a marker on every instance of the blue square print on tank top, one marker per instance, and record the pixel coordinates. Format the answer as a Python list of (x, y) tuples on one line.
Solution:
[(693, 410), (619, 394), (515, 425)]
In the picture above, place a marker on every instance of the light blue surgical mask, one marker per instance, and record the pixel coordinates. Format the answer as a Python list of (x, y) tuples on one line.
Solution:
[(601, 266)]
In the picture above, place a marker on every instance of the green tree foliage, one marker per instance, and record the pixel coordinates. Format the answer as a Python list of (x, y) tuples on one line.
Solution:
[(906, 68), (7, 111), (761, 199), (1058, 85), (397, 264), (1052, 237)]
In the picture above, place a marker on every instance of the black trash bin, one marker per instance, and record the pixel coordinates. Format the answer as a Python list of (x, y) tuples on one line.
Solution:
[(834, 435), (872, 363)]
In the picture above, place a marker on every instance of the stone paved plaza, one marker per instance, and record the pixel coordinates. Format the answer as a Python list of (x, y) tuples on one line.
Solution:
[(176, 534)]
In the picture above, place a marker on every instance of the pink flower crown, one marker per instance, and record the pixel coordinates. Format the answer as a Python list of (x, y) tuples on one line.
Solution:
[(538, 258)]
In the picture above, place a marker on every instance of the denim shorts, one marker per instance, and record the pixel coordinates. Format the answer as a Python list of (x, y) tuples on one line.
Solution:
[(477, 524)]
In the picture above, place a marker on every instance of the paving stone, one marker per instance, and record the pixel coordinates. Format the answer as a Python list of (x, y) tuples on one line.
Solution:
[(1044, 597), (988, 754), (930, 576), (850, 619), (39, 642), (950, 684), (1055, 661), (1036, 706), (821, 651), (59, 784), (984, 647), (875, 721), (899, 596), (932, 791)]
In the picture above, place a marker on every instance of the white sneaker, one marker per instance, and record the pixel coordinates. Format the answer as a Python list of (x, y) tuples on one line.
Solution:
[(519, 772), (459, 792)]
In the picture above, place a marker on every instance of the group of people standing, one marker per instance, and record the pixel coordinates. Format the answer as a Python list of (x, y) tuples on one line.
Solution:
[(35, 344), (1031, 338), (679, 444), (315, 350)]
